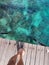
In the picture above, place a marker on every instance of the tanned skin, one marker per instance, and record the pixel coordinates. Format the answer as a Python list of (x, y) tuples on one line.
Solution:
[(17, 59)]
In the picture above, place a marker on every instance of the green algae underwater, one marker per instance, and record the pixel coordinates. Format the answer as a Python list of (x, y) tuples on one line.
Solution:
[(25, 20)]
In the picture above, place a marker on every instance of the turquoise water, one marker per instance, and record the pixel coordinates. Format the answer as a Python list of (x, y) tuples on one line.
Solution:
[(25, 20)]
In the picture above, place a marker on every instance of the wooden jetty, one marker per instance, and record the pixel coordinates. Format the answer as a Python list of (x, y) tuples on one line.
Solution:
[(34, 54)]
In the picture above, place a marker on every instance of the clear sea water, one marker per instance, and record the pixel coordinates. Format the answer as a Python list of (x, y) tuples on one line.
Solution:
[(25, 20)]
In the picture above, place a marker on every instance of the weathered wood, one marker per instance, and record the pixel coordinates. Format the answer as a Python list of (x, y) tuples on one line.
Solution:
[(26, 51), (46, 62), (10, 51), (34, 54), (0, 47), (28, 55), (6, 43), (40, 53), (42, 56), (3, 47)]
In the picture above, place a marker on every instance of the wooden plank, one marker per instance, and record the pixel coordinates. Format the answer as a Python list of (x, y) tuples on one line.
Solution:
[(37, 61), (0, 45), (26, 51), (0, 42), (33, 55), (41, 62), (2, 48), (15, 47), (46, 56), (29, 54), (6, 43), (10, 51)]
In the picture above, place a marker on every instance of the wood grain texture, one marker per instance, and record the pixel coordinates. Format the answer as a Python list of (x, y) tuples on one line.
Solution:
[(34, 54)]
